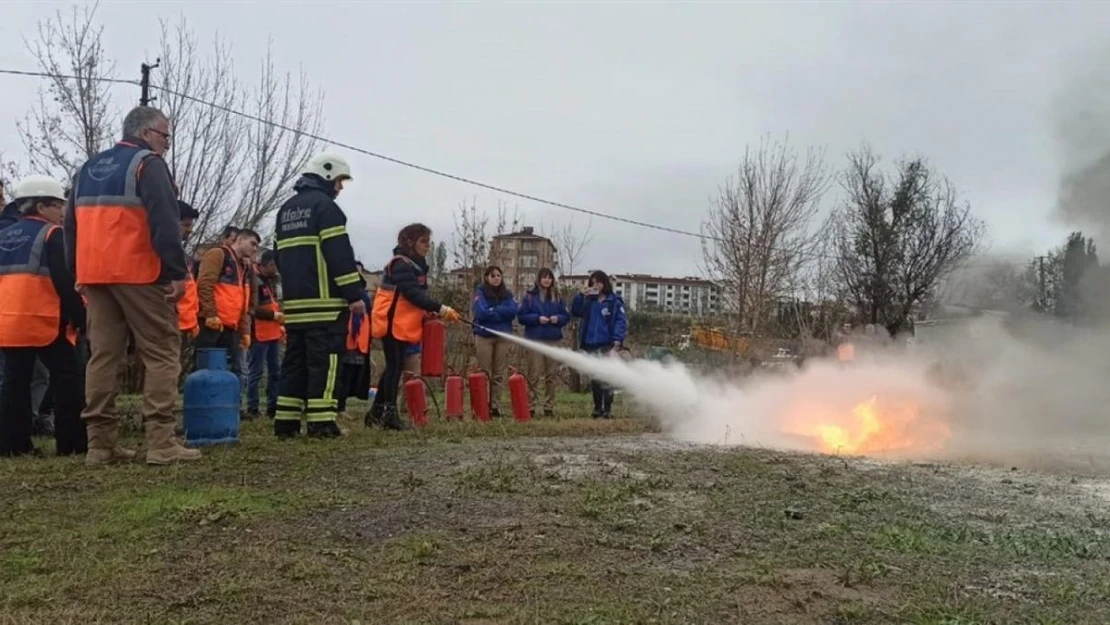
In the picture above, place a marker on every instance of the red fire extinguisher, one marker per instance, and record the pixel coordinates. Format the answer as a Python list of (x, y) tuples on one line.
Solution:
[(453, 389), (479, 395), (518, 395), (416, 401), (433, 349)]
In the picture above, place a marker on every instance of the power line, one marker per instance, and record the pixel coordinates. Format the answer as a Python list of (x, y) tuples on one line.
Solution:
[(144, 84)]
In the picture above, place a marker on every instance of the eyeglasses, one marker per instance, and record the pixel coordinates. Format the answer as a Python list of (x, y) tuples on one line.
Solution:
[(165, 135)]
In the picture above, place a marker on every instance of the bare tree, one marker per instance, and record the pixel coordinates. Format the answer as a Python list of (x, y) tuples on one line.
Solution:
[(73, 119), (759, 230), (570, 244), (898, 237), (233, 169), (470, 243)]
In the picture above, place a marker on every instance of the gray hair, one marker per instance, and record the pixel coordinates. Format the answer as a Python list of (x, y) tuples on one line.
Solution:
[(140, 118)]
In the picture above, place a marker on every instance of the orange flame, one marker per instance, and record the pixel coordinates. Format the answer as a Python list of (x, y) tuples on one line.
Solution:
[(870, 428)]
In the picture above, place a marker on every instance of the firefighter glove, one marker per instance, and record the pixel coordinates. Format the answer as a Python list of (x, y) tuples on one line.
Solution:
[(245, 341), (449, 314), (214, 324)]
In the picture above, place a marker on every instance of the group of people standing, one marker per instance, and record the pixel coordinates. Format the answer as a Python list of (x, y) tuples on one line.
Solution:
[(543, 313), (101, 267)]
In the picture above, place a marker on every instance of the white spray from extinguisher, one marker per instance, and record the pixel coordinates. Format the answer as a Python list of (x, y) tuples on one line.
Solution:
[(699, 408)]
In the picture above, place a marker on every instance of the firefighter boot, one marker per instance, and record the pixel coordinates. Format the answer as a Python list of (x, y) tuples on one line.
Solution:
[(324, 429), (103, 446), (163, 448), (391, 419)]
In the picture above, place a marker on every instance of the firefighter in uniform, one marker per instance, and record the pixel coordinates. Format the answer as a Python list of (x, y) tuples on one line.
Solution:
[(40, 316), (322, 287)]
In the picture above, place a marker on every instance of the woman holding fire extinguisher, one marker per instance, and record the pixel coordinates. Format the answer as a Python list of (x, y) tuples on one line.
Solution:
[(543, 315), (401, 304), (604, 327)]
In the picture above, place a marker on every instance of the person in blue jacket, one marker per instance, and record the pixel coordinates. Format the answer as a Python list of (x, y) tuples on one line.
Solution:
[(543, 315), (604, 327), (494, 309)]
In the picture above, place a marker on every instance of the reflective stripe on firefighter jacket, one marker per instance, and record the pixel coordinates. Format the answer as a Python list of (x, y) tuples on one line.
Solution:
[(394, 315), (188, 307), (266, 330), (359, 342), (30, 309), (113, 232), (232, 293)]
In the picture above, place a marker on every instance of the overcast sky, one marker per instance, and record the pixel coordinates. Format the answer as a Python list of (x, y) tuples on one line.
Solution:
[(636, 109)]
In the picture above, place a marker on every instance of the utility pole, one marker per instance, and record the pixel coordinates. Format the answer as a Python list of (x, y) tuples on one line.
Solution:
[(145, 99)]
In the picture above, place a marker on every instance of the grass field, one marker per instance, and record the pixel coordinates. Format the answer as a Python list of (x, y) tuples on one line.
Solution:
[(569, 521)]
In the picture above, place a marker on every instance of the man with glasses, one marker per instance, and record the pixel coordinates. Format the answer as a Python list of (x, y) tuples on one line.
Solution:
[(123, 240)]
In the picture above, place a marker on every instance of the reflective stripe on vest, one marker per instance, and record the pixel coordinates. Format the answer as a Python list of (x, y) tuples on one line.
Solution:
[(30, 309), (266, 330), (113, 232), (394, 315), (231, 292)]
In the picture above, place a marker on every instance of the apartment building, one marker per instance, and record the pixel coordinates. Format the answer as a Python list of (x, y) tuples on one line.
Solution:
[(684, 296), (520, 255)]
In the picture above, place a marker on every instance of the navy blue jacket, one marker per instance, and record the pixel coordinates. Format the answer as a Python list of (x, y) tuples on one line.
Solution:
[(9, 215), (532, 307), (493, 315), (603, 323)]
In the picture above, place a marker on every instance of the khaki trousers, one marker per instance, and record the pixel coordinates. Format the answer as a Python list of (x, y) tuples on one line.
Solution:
[(493, 357), (142, 309), (543, 370)]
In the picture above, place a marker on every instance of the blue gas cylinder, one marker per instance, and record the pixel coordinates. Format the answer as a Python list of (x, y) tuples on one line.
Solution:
[(211, 403)]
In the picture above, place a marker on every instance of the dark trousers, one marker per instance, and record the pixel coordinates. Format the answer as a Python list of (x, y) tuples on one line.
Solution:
[(266, 354), (390, 379), (225, 339), (61, 360), (602, 392), (310, 372), (349, 377)]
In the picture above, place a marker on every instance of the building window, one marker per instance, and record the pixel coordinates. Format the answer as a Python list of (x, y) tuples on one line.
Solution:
[(508, 244)]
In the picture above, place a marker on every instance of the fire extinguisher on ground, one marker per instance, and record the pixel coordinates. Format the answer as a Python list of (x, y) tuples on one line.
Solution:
[(453, 391), (518, 395), (478, 382), (416, 400)]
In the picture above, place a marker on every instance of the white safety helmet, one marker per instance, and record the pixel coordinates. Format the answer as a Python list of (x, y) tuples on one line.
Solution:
[(328, 167), (39, 186)]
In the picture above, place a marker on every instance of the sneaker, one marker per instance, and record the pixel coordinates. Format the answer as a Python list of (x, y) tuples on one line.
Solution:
[(548, 412), (252, 415)]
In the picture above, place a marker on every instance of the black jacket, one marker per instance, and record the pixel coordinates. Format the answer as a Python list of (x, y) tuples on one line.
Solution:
[(311, 227), (411, 282), (9, 215), (73, 308)]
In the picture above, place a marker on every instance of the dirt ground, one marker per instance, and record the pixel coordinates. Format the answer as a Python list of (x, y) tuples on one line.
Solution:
[(570, 522)]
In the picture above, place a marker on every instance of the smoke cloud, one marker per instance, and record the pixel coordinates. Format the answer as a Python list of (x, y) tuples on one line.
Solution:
[(1029, 394), (1082, 125)]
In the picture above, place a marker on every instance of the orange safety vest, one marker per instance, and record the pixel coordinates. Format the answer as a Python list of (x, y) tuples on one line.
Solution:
[(188, 307), (394, 315), (232, 292), (30, 309), (360, 343), (266, 330), (113, 232)]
